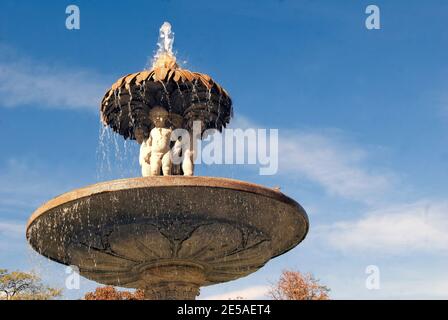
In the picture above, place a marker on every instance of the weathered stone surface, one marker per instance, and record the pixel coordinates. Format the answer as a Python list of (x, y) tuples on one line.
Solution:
[(187, 96), (167, 233)]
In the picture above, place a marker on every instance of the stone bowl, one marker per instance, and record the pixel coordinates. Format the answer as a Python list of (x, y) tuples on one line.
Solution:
[(168, 235)]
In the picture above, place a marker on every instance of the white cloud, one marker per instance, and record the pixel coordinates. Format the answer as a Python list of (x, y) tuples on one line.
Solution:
[(251, 293), (12, 229), (29, 185), (399, 279), (12, 237), (422, 286), (25, 186), (324, 158), (400, 229), (27, 82), (339, 168)]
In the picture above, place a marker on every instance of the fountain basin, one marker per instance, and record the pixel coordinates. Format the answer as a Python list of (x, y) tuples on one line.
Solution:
[(168, 235)]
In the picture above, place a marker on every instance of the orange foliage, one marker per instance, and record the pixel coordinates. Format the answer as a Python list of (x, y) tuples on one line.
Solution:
[(296, 286), (110, 293)]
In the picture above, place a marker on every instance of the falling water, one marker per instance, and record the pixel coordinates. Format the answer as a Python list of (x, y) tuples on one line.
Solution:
[(116, 157)]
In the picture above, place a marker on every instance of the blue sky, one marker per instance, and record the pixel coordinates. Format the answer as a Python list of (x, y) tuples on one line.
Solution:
[(362, 114)]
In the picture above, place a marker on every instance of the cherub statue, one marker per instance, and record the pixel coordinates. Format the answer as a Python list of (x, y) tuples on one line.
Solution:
[(156, 155), (187, 161), (145, 151), (183, 151), (155, 150)]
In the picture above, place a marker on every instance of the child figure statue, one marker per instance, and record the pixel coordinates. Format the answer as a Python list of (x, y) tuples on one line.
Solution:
[(145, 150), (156, 155)]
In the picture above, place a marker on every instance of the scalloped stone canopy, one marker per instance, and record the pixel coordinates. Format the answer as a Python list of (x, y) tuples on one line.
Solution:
[(190, 96)]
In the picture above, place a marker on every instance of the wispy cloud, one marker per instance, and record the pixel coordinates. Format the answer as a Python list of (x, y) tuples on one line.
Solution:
[(421, 286), (398, 229), (325, 158), (12, 237), (28, 186), (341, 169), (251, 293), (26, 82), (399, 279), (12, 229), (25, 186)]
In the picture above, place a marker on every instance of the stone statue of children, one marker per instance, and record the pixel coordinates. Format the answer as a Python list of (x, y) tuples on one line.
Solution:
[(156, 149), (155, 152)]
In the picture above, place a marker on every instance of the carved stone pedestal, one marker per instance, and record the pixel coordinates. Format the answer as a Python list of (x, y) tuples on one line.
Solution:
[(173, 280)]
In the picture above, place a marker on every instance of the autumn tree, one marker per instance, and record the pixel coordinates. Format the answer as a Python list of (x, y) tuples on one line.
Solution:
[(110, 293), (24, 286), (294, 285)]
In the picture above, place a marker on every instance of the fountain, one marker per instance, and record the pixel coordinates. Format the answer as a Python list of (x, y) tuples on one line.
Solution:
[(168, 232)]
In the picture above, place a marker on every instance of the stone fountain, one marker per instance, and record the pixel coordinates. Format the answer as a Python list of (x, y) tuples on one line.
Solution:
[(168, 232)]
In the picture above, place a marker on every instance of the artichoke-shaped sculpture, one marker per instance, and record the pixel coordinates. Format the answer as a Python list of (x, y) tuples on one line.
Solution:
[(187, 96)]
